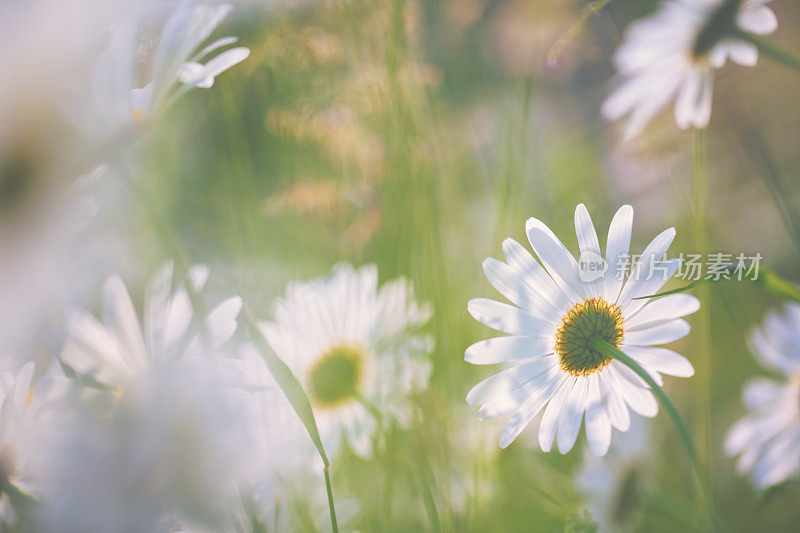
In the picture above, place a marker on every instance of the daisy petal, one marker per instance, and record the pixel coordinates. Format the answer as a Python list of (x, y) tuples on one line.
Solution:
[(662, 333), (661, 360), (514, 348), (589, 247), (504, 317), (617, 249), (598, 426), (552, 414), (556, 259), (572, 416), (525, 414), (507, 380), (662, 309)]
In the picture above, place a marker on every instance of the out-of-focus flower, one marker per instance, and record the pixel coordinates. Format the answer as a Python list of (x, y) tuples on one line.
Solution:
[(26, 412), (115, 352), (40, 157), (175, 452), (354, 347), (561, 306), (671, 55), (119, 99), (614, 484), (767, 440)]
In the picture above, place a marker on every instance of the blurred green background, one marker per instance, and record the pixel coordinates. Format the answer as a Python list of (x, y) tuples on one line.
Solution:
[(417, 135)]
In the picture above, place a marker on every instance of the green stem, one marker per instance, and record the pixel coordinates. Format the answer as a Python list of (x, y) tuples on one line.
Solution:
[(427, 496), (334, 525), (609, 350), (702, 391), (777, 54)]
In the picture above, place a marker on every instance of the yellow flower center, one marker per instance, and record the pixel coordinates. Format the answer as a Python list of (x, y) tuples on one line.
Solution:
[(336, 376), (585, 322)]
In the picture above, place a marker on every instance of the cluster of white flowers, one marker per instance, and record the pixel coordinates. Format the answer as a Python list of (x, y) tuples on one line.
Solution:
[(162, 418)]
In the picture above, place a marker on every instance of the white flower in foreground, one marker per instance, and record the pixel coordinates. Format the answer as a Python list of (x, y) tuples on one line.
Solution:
[(26, 413), (560, 308), (176, 65), (670, 55), (767, 440), (116, 351), (614, 485), (352, 344), (174, 453)]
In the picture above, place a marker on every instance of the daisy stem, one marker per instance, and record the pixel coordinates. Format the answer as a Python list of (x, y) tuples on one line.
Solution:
[(334, 525), (702, 415), (609, 350), (777, 54)]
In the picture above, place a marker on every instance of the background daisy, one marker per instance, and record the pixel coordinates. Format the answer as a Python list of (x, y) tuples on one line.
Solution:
[(354, 347), (767, 440)]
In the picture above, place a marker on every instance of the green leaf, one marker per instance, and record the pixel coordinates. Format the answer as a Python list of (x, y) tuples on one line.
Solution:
[(297, 399), (288, 383)]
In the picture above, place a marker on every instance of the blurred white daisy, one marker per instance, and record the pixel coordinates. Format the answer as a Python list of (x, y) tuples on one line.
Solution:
[(614, 485), (116, 351), (177, 64), (767, 440), (561, 306), (353, 347), (26, 414), (174, 453), (670, 55)]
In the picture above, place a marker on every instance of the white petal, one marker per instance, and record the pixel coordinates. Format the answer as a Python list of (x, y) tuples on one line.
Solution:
[(598, 426), (555, 257), (760, 20), (122, 318), (572, 416), (513, 348), (542, 385), (222, 321), (504, 317), (641, 270), (662, 309), (661, 360), (660, 272), (615, 405), (663, 333), (512, 286), (590, 250), (507, 380), (551, 417), (529, 409), (553, 300), (745, 54), (617, 249), (639, 399)]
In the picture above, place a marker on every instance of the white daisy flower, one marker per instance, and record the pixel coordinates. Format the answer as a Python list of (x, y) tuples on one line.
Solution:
[(353, 345), (670, 55), (561, 306), (176, 65), (26, 414), (767, 440), (116, 351), (174, 453)]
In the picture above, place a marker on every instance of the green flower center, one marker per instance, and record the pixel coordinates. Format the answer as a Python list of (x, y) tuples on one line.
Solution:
[(335, 377), (595, 318)]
